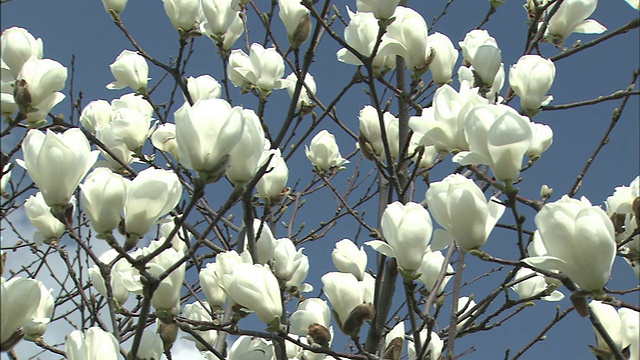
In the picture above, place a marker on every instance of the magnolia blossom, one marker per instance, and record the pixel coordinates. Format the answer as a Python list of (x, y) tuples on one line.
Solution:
[(118, 148), (203, 87), (39, 82), (380, 9), (167, 295), (531, 78), (103, 197), (130, 69), (499, 137), (211, 285), (371, 141), (265, 241), (579, 241), (257, 289), (21, 298), (423, 155), (272, 184), (164, 139), (225, 26), (324, 153), (481, 51), (39, 214), (295, 18), (621, 202), (245, 155), (133, 101), (465, 310), (541, 140), (151, 346), (534, 285), (94, 344), (132, 127), (304, 99), (444, 59), (17, 45), (465, 74), (115, 5), (220, 15), (442, 125), (151, 195), (621, 325), (407, 231), (122, 276), (200, 312), (434, 349), (289, 264), (345, 292), (247, 347), (35, 328), (459, 206), (570, 18), (349, 259), (182, 13), (206, 133), (57, 162), (262, 68), (408, 36), (310, 311), (96, 115), (361, 34), (429, 270), (5, 176)]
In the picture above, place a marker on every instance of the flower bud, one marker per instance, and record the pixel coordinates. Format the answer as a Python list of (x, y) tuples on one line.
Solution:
[(324, 153)]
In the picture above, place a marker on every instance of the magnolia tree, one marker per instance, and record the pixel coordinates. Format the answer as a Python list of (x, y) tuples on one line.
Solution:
[(389, 208)]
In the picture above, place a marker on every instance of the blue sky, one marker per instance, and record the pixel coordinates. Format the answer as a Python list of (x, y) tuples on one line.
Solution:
[(83, 29)]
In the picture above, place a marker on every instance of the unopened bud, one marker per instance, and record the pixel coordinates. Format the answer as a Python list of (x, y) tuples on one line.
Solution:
[(393, 350), (319, 334), (361, 313), (301, 34), (545, 192), (168, 333)]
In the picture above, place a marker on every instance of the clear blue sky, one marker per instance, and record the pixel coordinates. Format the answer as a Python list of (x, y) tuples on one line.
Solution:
[(83, 29)]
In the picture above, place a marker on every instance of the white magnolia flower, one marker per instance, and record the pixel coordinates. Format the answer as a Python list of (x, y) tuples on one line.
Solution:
[(17, 46), (257, 289), (348, 258), (380, 9), (324, 153), (272, 185), (533, 285), (295, 18), (407, 231), (304, 99), (94, 344), (39, 214), (96, 115), (103, 197), (151, 195), (499, 137), (531, 78), (445, 57), (262, 68), (579, 241), (570, 18), (130, 69), (57, 162), (183, 13), (459, 206)]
